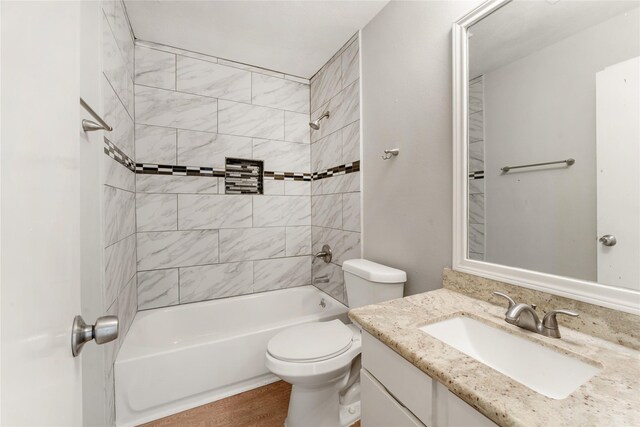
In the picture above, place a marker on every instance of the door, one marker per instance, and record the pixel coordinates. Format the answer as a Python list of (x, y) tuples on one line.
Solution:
[(618, 173), (40, 176)]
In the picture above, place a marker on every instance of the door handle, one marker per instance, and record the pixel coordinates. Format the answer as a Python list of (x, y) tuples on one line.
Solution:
[(104, 331), (608, 240)]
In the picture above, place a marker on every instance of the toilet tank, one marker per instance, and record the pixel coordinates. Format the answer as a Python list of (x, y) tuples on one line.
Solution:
[(368, 282)]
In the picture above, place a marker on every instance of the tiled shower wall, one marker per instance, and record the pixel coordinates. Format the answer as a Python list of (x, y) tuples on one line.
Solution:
[(194, 241), (476, 235), (120, 290), (335, 163)]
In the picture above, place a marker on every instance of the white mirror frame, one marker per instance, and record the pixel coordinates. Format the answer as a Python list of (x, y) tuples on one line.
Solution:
[(603, 295)]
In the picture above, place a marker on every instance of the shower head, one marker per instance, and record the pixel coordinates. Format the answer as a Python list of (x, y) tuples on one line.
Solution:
[(315, 125)]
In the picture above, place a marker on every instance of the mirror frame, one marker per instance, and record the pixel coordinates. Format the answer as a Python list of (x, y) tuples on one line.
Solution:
[(620, 299)]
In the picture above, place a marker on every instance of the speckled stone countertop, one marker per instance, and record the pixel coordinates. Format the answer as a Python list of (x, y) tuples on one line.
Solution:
[(610, 398)]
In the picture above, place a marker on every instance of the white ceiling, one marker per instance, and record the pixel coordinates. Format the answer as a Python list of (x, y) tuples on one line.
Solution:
[(293, 37), (522, 27)]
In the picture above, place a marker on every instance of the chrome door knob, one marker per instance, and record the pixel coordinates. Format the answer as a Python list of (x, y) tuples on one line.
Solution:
[(104, 331), (608, 240)]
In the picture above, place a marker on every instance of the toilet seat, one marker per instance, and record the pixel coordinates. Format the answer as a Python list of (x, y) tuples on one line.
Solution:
[(311, 342)]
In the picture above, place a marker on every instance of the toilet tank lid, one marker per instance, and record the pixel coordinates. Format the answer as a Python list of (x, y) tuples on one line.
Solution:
[(373, 271)]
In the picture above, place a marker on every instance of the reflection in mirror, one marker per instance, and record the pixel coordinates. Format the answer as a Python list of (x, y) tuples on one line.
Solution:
[(556, 82)]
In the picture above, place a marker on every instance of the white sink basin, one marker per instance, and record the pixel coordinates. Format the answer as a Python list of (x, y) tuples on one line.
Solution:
[(542, 369)]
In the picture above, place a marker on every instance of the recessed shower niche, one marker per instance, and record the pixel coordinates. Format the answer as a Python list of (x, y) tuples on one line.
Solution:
[(243, 176)]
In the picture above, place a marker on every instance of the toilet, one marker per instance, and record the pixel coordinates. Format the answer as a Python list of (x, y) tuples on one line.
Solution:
[(321, 359)]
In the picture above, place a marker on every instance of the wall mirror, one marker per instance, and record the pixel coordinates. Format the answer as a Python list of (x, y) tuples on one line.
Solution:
[(547, 147)]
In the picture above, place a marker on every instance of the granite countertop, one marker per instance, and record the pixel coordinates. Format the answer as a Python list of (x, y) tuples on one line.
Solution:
[(610, 398)]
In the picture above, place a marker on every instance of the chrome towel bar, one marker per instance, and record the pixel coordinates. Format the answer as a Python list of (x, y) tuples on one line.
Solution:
[(90, 125), (568, 162)]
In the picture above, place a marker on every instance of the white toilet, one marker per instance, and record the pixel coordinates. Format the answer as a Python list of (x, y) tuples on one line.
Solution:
[(321, 359)]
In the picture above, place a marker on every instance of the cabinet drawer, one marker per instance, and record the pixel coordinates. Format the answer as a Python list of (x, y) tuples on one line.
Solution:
[(380, 409), (405, 382)]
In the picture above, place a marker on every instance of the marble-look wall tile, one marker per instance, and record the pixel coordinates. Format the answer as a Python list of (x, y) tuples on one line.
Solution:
[(297, 188), (341, 183), (351, 211), (476, 238), (176, 184), (119, 214), (119, 267), (114, 174), (155, 68), (250, 68), (279, 93), (269, 211), (344, 109), (476, 208), (114, 68), (282, 156), (174, 109), (327, 152), (156, 212), (329, 278), (351, 142), (476, 127), (210, 149), (297, 79), (157, 288), (296, 127), (215, 281), (350, 62), (476, 186), (167, 249), (210, 212), (215, 80), (273, 187), (176, 51), (155, 145), (476, 156), (245, 244), (326, 85), (123, 37), (298, 241), (116, 115), (281, 273), (127, 306), (236, 118), (326, 211), (476, 95)]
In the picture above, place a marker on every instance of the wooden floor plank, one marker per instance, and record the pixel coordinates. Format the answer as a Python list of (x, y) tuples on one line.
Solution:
[(262, 407)]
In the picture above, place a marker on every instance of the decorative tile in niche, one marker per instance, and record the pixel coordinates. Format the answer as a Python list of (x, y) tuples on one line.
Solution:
[(243, 176)]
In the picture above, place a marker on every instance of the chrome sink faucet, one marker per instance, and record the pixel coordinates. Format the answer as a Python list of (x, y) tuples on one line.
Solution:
[(525, 316)]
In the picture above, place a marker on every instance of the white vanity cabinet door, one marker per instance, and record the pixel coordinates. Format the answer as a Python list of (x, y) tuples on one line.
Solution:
[(451, 411), (380, 409), (404, 381)]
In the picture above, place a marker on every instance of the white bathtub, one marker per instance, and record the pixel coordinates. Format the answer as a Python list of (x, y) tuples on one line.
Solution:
[(176, 358)]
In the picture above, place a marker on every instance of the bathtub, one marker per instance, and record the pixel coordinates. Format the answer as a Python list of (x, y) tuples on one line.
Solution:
[(180, 357)]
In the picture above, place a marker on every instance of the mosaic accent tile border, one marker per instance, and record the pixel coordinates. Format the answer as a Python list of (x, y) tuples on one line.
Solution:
[(287, 176), (476, 175), (118, 155), (153, 169), (337, 170)]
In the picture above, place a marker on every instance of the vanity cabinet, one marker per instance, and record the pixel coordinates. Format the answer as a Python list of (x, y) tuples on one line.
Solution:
[(396, 393)]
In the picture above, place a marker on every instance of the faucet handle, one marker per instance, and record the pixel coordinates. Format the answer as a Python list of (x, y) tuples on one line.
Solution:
[(507, 297), (550, 322)]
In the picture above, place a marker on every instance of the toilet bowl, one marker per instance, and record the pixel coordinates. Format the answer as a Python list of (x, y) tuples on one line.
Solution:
[(322, 359)]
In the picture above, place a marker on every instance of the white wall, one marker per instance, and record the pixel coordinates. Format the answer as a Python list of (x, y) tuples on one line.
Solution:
[(406, 102), (542, 108)]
